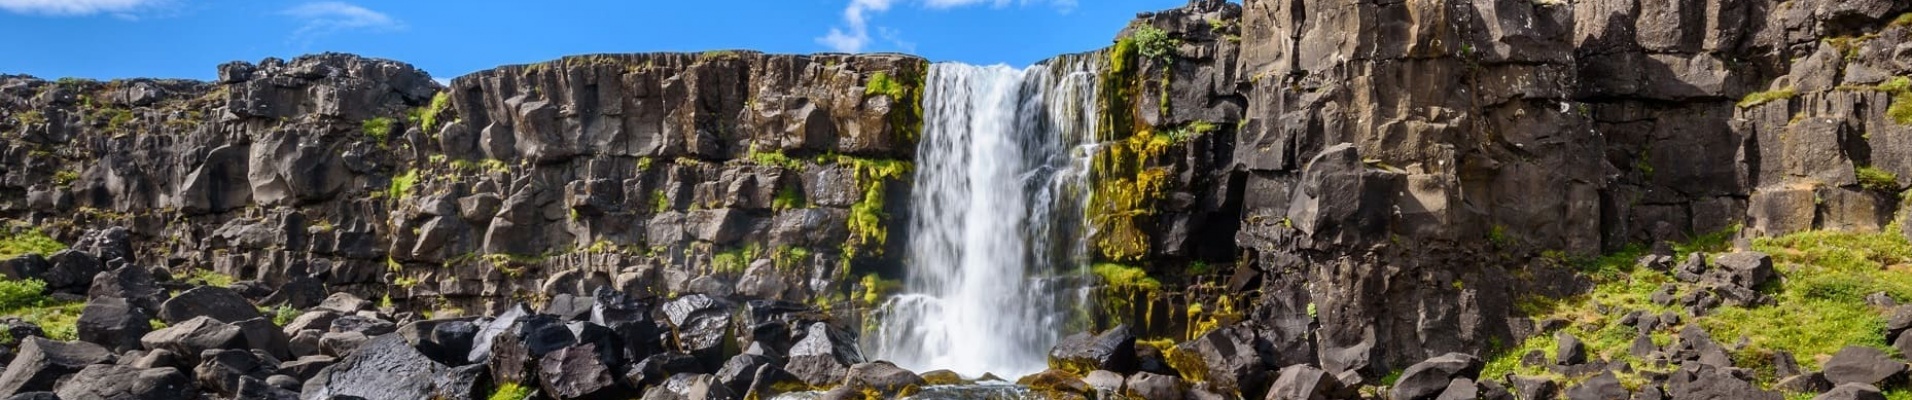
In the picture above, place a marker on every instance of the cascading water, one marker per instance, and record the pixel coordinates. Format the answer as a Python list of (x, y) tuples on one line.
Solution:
[(996, 244)]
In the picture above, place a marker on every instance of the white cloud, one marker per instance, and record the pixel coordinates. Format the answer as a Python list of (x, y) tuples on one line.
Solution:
[(328, 17), (75, 7), (854, 34)]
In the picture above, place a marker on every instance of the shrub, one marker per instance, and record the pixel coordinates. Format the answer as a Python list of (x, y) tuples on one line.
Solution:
[(16, 294), (1154, 43), (1874, 178), (30, 241), (378, 129)]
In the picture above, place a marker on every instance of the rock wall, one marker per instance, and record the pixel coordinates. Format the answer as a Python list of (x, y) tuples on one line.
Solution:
[(719, 172)]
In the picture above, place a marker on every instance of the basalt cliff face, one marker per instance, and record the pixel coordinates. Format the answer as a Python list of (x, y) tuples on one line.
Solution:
[(1358, 186)]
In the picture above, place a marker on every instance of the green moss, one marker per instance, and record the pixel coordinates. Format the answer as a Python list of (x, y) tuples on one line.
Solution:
[(379, 129), (1901, 108), (1877, 179), (905, 90), (875, 289), (734, 261), (510, 391), (789, 197), (1903, 20), (28, 241), (867, 216), (1757, 98), (774, 158), (63, 178), (401, 185), (660, 202), (789, 258), (1125, 277), (15, 294), (31, 117)]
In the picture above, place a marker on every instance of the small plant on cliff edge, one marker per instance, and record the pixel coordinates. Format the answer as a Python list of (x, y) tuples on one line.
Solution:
[(1154, 42), (1757, 98), (402, 185), (1901, 89), (1881, 180)]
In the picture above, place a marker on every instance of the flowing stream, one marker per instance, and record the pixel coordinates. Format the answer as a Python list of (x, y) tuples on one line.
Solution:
[(997, 246)]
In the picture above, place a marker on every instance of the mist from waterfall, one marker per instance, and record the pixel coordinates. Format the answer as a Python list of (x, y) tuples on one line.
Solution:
[(997, 250)]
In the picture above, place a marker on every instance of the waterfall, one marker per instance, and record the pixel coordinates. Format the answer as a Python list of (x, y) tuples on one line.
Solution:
[(996, 251)]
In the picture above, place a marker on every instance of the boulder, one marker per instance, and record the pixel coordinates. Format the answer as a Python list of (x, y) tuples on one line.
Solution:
[(1701, 381), (1227, 358), (220, 304), (1864, 365), (363, 325), (884, 378), (386, 369), (306, 367), (299, 293), (470, 382), (516, 354), (1148, 385), (1601, 387), (221, 370), (133, 283), (824, 356), (40, 362), (262, 335), (1106, 384), (1568, 350), (72, 271), (1055, 383), (113, 323), (1427, 379), (120, 382), (1852, 391), (702, 324), (1747, 269), (654, 370), (345, 303), (689, 387), (576, 372), (1304, 382), (1112, 350)]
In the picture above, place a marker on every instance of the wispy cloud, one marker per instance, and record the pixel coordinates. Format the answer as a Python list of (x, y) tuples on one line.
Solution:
[(329, 17), (69, 8), (854, 34)]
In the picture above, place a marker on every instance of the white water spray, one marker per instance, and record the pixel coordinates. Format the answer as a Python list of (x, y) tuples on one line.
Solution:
[(996, 219)]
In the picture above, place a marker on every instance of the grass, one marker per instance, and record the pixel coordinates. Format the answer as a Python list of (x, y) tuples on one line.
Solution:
[(1757, 98), (207, 277), (427, 119), (510, 391), (1901, 89), (1154, 43), (790, 197), (774, 158), (882, 84), (378, 129), (1874, 178), (402, 184), (27, 299), (1819, 305), (29, 241)]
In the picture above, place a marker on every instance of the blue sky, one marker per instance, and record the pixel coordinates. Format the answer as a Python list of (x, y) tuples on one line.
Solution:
[(105, 39)]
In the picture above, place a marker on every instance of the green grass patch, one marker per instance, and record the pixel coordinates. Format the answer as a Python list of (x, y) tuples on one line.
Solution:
[(1873, 178), (206, 277), (1154, 43), (21, 293), (789, 197), (510, 391), (1758, 98), (1819, 305), (379, 129), (774, 158), (1900, 111), (28, 241), (27, 299), (402, 185)]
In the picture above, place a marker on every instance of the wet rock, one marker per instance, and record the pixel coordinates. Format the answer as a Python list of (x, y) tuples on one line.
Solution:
[(884, 378), (1055, 382), (41, 362), (113, 323), (1864, 365), (1427, 379), (220, 304), (1228, 359), (1112, 350), (119, 382), (1104, 383), (386, 369)]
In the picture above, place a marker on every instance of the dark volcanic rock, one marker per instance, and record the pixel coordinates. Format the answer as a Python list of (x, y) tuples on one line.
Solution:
[(113, 323), (1112, 350), (824, 356), (221, 371), (386, 368), (1852, 391), (657, 368), (1709, 382), (1601, 387), (1227, 357), (41, 362), (119, 382), (884, 378), (132, 283), (1304, 382), (703, 328), (1865, 365), (222, 304), (576, 372), (1428, 379)]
